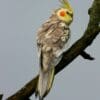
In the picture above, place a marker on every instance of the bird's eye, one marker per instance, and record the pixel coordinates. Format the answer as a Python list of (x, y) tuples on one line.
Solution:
[(68, 13)]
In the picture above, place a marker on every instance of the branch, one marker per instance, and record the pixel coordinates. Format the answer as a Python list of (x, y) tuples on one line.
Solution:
[(85, 55), (90, 34), (1, 95)]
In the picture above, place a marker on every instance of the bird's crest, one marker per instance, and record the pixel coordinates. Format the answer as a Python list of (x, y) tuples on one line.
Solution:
[(65, 4)]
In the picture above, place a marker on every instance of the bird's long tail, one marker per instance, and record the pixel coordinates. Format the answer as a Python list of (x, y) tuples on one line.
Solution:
[(45, 82)]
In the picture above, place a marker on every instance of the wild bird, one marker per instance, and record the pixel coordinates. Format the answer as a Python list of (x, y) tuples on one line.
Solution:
[(52, 38)]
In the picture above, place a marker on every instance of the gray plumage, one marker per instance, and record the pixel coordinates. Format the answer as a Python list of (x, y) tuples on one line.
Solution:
[(51, 40)]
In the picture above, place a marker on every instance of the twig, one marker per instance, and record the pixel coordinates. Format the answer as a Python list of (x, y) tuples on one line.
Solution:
[(85, 55)]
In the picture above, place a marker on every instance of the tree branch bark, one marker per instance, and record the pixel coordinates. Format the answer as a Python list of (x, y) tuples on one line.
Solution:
[(1, 95), (85, 55), (90, 34)]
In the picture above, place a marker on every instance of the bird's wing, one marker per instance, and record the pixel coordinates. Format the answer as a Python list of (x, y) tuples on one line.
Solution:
[(53, 35)]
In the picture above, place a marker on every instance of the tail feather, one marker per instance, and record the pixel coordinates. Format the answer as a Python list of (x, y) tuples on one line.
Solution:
[(51, 78), (45, 82)]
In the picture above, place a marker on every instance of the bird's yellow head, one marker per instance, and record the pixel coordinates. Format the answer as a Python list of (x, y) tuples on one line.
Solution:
[(65, 13)]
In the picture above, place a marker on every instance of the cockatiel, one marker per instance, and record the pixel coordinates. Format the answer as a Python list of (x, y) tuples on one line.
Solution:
[(51, 40)]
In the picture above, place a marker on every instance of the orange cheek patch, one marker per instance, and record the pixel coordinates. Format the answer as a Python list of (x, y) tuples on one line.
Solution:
[(62, 13)]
